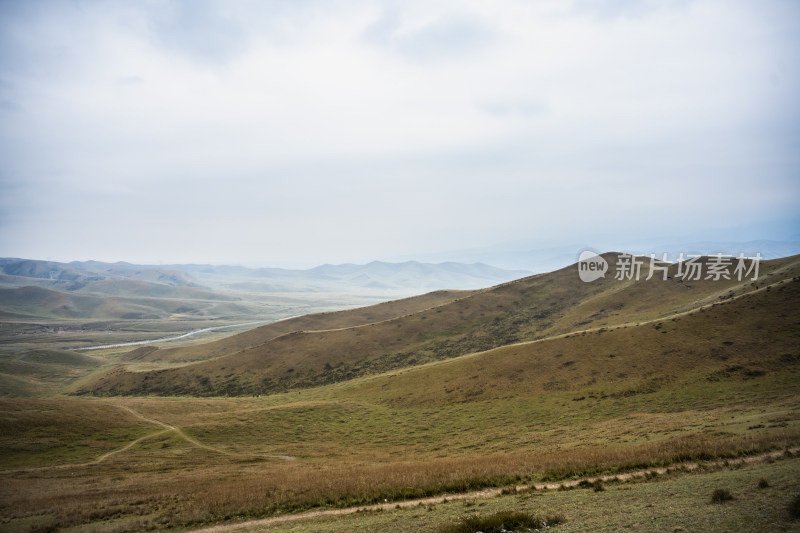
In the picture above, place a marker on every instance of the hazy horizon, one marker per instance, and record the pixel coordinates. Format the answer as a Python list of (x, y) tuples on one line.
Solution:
[(311, 132)]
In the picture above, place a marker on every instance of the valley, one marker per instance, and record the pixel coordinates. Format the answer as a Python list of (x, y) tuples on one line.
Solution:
[(544, 380)]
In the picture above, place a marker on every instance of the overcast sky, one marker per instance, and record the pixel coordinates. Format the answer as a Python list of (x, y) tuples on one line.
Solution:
[(304, 132)]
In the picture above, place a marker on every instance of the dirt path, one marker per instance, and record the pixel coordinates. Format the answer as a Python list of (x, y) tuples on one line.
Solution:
[(87, 463), (191, 440), (119, 450), (486, 493), (178, 431), (166, 428)]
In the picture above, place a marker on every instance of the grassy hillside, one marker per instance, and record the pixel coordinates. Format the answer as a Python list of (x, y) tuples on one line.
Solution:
[(39, 303), (653, 384), (720, 382), (286, 356), (753, 340)]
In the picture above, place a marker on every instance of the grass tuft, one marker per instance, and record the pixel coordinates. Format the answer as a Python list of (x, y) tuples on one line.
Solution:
[(721, 495), (503, 521), (763, 483)]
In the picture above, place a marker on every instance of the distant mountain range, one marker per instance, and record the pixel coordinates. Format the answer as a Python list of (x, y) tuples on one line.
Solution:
[(129, 279), (460, 269)]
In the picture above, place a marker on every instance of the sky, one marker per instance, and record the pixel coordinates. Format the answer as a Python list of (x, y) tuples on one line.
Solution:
[(322, 131)]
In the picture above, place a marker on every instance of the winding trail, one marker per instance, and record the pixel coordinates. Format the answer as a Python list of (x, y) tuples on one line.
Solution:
[(492, 492), (191, 440), (119, 450), (166, 428), (178, 431)]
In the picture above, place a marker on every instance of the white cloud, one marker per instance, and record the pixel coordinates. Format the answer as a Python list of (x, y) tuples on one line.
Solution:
[(326, 131)]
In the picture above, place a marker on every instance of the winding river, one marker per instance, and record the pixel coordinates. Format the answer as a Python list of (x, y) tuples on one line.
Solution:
[(179, 337)]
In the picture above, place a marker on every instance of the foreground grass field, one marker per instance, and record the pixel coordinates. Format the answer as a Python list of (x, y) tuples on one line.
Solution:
[(167, 480)]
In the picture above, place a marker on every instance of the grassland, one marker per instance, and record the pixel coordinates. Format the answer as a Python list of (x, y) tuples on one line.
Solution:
[(663, 383)]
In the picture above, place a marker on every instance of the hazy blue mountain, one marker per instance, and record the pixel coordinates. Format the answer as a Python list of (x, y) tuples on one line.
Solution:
[(377, 275), (117, 278)]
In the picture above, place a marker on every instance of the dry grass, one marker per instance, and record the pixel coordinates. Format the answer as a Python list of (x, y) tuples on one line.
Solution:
[(721, 496)]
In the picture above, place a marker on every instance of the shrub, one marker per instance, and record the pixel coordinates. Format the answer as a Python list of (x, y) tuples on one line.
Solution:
[(721, 495), (794, 507), (502, 521)]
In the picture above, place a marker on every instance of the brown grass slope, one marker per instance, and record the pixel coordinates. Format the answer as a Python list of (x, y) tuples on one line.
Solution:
[(528, 309), (312, 322)]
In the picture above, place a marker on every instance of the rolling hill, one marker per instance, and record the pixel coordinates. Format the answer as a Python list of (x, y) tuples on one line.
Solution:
[(89, 304), (163, 301), (27, 373), (298, 354), (31, 289)]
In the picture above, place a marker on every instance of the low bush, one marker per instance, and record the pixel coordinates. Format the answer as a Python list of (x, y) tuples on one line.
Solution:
[(503, 521), (721, 495)]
